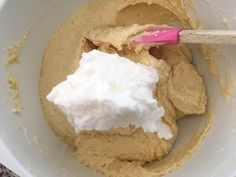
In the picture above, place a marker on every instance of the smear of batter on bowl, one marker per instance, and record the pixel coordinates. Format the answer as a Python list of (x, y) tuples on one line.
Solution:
[(14, 52), (227, 87), (211, 55), (14, 93)]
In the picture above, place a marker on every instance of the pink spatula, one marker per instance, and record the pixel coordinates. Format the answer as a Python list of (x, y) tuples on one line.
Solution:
[(178, 35)]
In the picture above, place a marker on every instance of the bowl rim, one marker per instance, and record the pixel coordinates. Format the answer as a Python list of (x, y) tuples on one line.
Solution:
[(8, 160)]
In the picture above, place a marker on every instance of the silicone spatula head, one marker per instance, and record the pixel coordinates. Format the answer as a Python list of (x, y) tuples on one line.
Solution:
[(158, 35)]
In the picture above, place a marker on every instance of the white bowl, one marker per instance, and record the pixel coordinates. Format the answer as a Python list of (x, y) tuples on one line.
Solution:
[(20, 149)]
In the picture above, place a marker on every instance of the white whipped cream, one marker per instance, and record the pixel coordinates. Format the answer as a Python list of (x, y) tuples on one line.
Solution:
[(110, 91)]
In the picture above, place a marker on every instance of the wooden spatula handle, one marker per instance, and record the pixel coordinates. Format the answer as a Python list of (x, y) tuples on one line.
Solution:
[(208, 36)]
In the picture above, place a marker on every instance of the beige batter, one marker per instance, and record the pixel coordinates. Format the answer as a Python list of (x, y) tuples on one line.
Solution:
[(14, 52), (14, 93), (181, 91)]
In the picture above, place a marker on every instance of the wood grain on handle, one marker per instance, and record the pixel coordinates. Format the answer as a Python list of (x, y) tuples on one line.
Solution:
[(208, 36)]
